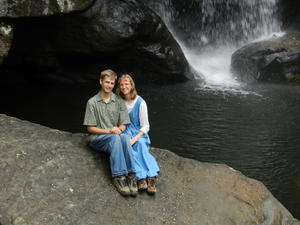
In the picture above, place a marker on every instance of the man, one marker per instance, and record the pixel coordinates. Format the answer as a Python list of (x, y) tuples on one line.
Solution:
[(106, 117)]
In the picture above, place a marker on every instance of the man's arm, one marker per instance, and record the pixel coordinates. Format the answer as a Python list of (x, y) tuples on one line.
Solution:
[(114, 130), (96, 130), (90, 120), (123, 115)]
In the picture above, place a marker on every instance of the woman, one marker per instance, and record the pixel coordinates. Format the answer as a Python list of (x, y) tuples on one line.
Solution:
[(145, 164)]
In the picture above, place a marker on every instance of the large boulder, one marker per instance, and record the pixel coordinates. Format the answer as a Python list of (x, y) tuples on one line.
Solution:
[(122, 35), (50, 177), (273, 60), (6, 33), (29, 8)]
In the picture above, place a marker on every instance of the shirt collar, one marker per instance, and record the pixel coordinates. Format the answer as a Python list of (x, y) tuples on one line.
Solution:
[(112, 97)]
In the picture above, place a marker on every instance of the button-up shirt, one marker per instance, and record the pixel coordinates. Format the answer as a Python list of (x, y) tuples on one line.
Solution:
[(104, 115)]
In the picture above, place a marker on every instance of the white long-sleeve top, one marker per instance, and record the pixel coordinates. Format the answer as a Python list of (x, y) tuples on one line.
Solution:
[(143, 114)]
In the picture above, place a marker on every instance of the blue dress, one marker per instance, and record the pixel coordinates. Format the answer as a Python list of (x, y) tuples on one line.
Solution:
[(145, 163)]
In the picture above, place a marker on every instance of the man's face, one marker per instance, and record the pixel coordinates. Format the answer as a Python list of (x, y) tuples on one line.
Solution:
[(107, 84)]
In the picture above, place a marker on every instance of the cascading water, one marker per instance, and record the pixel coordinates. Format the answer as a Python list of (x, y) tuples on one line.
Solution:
[(209, 31)]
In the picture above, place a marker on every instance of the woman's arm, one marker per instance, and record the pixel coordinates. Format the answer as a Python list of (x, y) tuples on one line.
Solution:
[(143, 116), (136, 137)]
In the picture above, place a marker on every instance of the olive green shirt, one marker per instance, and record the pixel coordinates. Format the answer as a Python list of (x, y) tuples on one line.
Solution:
[(105, 115)]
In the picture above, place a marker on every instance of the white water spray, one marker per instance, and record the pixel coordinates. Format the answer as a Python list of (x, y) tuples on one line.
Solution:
[(225, 25), (212, 65)]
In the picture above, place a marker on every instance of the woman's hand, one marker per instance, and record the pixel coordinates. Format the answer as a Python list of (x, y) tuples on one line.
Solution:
[(133, 140)]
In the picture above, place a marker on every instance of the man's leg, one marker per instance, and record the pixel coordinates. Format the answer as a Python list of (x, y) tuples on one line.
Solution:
[(111, 144), (128, 155)]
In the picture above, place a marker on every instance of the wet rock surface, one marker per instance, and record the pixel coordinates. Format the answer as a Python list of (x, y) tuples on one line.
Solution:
[(50, 177), (274, 60)]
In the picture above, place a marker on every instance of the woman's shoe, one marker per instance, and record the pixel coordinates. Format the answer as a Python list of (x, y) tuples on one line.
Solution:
[(142, 185), (151, 189)]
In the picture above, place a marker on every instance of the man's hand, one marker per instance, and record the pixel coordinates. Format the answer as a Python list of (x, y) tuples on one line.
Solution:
[(115, 130)]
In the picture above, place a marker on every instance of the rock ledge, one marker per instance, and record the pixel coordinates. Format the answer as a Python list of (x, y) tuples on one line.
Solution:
[(50, 177)]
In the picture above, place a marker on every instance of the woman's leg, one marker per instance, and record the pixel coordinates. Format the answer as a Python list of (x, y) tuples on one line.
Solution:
[(146, 159)]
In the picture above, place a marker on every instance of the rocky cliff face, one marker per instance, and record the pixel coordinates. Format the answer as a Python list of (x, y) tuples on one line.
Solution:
[(122, 35), (70, 41), (19, 8), (50, 177)]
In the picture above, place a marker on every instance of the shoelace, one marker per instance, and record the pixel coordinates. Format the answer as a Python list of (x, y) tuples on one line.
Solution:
[(151, 182), (122, 182)]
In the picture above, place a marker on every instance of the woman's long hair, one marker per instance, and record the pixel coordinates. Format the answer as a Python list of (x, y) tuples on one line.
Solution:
[(133, 92)]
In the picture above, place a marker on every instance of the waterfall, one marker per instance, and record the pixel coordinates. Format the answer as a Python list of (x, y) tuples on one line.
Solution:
[(209, 31)]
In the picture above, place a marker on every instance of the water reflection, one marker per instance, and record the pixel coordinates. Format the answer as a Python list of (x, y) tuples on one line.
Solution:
[(254, 133)]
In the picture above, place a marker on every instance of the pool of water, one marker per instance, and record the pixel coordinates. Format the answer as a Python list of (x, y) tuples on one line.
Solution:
[(254, 129)]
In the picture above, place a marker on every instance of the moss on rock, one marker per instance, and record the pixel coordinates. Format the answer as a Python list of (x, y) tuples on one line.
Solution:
[(6, 35)]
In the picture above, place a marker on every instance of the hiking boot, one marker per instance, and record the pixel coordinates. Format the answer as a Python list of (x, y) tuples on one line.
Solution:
[(131, 179), (142, 185), (121, 185), (151, 189)]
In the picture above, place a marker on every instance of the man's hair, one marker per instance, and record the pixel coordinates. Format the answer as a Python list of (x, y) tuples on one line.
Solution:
[(133, 92), (108, 73)]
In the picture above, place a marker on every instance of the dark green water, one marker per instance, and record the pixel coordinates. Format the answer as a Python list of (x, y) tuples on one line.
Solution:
[(255, 130)]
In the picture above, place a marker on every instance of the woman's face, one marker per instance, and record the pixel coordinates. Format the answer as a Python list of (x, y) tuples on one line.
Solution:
[(125, 86)]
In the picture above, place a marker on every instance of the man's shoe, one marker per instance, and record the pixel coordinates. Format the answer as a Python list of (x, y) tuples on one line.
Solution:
[(131, 179), (142, 185), (151, 189), (121, 185)]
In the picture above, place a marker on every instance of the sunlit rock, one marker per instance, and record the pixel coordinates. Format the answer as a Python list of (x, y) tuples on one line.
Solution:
[(50, 177), (29, 8), (273, 60)]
